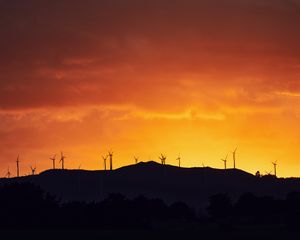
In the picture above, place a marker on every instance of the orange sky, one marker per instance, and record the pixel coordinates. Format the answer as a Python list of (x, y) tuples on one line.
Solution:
[(142, 77)]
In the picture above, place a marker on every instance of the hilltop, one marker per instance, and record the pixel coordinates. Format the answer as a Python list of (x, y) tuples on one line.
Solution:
[(191, 185)]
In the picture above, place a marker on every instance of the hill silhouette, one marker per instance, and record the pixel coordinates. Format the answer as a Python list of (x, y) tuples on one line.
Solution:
[(191, 185)]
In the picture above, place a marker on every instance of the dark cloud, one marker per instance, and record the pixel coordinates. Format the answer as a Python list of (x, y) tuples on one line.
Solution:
[(57, 53)]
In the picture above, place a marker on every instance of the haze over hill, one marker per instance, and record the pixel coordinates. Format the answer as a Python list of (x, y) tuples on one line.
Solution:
[(191, 185)]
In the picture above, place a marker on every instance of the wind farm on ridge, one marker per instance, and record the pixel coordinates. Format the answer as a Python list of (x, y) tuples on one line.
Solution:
[(107, 160)]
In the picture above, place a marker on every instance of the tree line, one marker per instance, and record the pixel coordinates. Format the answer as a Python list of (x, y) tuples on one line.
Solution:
[(24, 205)]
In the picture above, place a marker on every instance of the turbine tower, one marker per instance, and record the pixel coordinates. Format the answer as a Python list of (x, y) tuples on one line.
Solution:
[(18, 167), (136, 159), (275, 168), (179, 161), (163, 159), (225, 162), (234, 157), (104, 159), (110, 154), (53, 161), (62, 160)]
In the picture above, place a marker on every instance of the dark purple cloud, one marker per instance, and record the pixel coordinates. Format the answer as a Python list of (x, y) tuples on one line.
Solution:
[(57, 53)]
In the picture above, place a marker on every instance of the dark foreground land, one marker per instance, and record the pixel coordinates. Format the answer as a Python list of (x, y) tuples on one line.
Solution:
[(200, 233), (193, 186), (29, 212), (149, 201)]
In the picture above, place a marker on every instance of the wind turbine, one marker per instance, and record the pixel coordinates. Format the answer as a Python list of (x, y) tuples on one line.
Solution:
[(18, 166), (104, 159), (136, 159), (8, 173), (225, 162), (53, 161), (62, 160), (33, 170), (110, 154), (234, 157), (268, 173), (179, 160), (275, 168), (163, 159)]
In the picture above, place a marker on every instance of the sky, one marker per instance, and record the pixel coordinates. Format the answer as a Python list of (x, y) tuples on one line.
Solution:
[(195, 78)]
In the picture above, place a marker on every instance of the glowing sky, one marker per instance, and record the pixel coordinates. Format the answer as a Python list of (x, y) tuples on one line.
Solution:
[(142, 77)]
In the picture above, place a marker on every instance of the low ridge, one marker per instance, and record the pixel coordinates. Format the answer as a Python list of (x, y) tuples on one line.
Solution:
[(151, 179)]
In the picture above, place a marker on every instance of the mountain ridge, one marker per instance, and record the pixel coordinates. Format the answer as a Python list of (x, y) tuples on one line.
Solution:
[(151, 179)]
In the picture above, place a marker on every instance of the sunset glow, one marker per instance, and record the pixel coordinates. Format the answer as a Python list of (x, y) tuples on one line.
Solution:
[(173, 77)]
